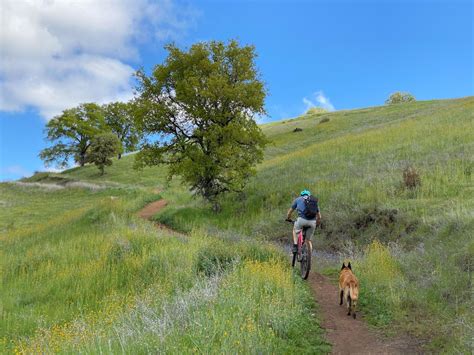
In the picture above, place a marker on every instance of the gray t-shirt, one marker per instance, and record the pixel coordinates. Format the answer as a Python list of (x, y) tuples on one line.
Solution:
[(300, 206)]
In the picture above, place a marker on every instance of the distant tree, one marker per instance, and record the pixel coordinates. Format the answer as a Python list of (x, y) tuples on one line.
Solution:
[(103, 147), (203, 103), (121, 120), (399, 97), (71, 134), (315, 110)]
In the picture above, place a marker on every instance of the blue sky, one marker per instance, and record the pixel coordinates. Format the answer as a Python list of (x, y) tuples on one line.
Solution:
[(337, 54)]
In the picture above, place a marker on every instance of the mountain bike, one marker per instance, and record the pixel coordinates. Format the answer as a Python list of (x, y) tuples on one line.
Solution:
[(304, 251)]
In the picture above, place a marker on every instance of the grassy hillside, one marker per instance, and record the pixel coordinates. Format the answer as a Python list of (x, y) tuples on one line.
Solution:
[(411, 247), (354, 161), (82, 273)]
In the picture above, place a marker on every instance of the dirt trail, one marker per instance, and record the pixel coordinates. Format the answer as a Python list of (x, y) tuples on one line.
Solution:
[(348, 335), (152, 209)]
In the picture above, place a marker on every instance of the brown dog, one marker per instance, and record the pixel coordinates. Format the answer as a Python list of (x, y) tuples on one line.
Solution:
[(348, 288)]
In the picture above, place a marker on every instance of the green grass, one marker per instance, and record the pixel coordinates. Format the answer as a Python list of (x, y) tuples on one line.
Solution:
[(82, 273), (354, 163)]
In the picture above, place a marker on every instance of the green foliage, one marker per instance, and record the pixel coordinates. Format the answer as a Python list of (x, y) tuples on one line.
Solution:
[(85, 275), (71, 134), (399, 97), (214, 259), (354, 163), (103, 147), (221, 255), (203, 102), (383, 283), (120, 118), (316, 110)]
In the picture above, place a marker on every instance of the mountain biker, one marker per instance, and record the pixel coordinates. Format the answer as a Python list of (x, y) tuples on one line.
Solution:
[(308, 215)]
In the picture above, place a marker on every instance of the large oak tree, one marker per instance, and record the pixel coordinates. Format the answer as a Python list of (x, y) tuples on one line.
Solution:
[(71, 134), (202, 103)]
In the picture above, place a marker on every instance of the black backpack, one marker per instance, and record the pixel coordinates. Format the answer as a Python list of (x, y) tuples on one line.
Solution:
[(311, 207)]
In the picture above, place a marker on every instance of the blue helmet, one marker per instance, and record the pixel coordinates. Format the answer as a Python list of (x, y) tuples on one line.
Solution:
[(305, 192)]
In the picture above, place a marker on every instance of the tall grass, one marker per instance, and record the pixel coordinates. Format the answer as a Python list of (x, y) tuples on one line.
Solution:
[(96, 279), (354, 163), (383, 284), (213, 317)]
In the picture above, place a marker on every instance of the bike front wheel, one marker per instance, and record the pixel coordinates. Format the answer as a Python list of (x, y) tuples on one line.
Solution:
[(306, 252)]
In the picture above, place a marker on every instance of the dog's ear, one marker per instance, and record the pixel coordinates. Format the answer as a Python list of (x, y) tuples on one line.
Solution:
[(343, 266), (349, 266)]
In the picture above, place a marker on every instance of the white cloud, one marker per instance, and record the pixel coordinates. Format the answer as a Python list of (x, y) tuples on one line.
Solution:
[(318, 99), (59, 53), (50, 169), (16, 170)]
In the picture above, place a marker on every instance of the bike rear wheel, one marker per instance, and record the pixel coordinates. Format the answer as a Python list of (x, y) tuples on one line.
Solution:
[(306, 252)]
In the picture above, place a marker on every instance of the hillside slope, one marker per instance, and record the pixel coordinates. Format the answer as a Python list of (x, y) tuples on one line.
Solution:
[(354, 161), (411, 247)]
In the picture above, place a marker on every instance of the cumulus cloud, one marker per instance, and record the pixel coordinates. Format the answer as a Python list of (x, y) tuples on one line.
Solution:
[(59, 53), (318, 99)]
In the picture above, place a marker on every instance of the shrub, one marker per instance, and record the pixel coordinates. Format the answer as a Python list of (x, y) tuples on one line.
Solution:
[(399, 97), (316, 110), (297, 129), (411, 177), (324, 120), (215, 258)]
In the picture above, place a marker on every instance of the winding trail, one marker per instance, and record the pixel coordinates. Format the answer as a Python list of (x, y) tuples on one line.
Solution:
[(347, 335), (152, 209)]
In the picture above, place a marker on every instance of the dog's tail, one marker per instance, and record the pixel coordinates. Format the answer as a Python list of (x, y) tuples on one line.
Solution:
[(353, 291)]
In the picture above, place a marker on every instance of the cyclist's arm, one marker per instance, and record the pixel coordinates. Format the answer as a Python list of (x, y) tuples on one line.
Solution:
[(290, 211), (318, 218)]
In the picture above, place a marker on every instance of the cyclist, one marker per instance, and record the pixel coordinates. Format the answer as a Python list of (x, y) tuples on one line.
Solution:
[(308, 216)]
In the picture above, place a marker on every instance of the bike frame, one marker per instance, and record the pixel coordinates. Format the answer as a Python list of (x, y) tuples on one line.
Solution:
[(304, 257), (301, 240)]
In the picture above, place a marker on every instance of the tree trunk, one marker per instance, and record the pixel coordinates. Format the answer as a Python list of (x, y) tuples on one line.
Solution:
[(82, 159), (120, 155)]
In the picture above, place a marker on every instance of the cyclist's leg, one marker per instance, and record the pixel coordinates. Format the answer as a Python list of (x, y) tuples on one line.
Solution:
[(312, 227), (297, 227), (295, 235)]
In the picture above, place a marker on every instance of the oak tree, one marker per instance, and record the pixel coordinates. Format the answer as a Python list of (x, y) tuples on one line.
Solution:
[(103, 147), (202, 103), (71, 133)]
